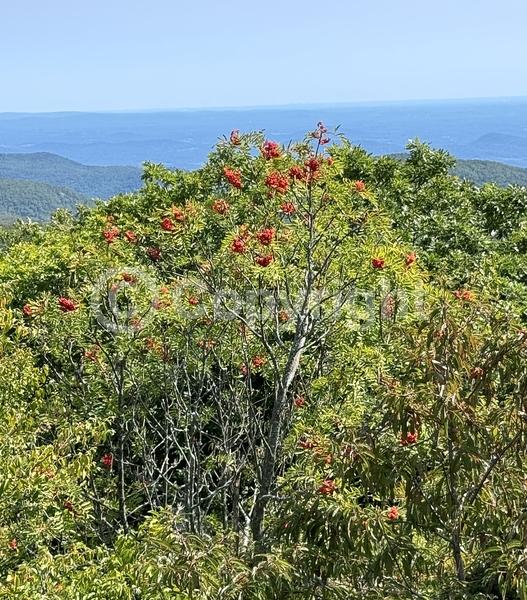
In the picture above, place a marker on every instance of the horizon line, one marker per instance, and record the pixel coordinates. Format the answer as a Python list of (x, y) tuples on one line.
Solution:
[(293, 106)]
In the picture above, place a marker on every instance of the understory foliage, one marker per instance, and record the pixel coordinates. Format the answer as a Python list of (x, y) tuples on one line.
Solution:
[(298, 372)]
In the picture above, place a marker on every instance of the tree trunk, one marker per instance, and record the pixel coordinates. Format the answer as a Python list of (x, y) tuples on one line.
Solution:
[(277, 430)]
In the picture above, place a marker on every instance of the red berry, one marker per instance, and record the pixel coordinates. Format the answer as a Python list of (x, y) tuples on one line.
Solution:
[(360, 186), (410, 259), (378, 263), (299, 401), (220, 207), (238, 246), (277, 182), (92, 354), (111, 234), (306, 444), (288, 208), (107, 461), (328, 487), (264, 261), (258, 361), (297, 173), (154, 253), (313, 167), (283, 316), (178, 214), (167, 224), (271, 150), (233, 177), (409, 439), (266, 236), (66, 304), (393, 513)]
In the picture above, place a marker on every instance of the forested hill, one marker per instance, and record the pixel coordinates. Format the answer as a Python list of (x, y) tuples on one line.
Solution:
[(486, 171), (92, 181), (34, 200)]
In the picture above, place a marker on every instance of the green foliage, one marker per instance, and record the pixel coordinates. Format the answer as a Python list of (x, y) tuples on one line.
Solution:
[(242, 383), (21, 199), (481, 172)]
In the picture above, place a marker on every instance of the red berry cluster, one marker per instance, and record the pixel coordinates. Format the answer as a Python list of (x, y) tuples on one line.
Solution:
[(409, 439), (92, 354), (360, 186), (393, 513), (154, 253), (233, 176), (410, 259), (465, 295), (297, 173), (277, 182), (238, 245), (313, 167), (129, 278), (178, 214), (283, 316), (266, 236), (258, 361), (306, 444), (111, 234), (167, 224), (288, 208), (221, 207), (264, 260), (66, 304), (107, 461), (328, 487), (271, 150), (299, 401)]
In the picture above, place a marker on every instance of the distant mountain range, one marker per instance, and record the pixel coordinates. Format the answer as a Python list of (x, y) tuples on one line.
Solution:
[(35, 185), (493, 130)]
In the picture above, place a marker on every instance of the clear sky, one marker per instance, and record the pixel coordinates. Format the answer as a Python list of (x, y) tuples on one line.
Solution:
[(148, 54)]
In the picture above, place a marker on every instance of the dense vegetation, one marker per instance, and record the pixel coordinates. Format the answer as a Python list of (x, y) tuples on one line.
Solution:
[(488, 171), (292, 374), (91, 181), (21, 199)]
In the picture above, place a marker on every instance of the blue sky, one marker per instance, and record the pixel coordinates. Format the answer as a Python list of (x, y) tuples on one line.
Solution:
[(148, 54)]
